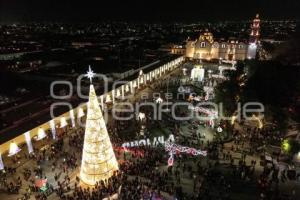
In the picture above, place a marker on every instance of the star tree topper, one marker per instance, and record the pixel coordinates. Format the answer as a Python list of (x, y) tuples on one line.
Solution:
[(90, 74)]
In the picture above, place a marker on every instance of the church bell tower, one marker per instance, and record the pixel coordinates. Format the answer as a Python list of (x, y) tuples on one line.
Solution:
[(254, 38)]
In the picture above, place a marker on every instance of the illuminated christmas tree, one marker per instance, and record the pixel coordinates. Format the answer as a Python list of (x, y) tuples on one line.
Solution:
[(98, 158)]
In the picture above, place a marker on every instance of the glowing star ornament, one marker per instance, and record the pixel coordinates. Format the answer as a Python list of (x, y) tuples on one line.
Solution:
[(90, 74), (98, 158)]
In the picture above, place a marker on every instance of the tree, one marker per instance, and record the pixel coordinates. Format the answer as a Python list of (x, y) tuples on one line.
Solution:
[(98, 158)]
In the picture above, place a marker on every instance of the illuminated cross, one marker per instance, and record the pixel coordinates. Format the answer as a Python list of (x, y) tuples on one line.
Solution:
[(90, 74)]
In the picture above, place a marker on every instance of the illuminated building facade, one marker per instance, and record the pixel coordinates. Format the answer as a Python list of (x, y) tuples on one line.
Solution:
[(205, 47), (16, 144)]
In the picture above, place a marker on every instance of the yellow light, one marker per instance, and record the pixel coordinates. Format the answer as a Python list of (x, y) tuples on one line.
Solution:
[(41, 134), (134, 84), (260, 123), (286, 145), (108, 99), (13, 149), (98, 158), (80, 113), (63, 122), (233, 119), (118, 93), (141, 72)]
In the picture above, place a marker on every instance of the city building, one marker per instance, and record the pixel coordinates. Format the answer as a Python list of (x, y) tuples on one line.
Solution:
[(206, 47)]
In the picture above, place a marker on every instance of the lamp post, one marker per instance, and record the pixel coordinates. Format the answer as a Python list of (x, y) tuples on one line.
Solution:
[(142, 119)]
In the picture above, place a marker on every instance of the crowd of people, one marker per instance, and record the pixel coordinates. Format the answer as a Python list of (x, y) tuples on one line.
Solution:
[(143, 171)]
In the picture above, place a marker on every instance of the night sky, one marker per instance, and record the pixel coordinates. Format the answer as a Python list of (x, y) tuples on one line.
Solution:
[(145, 10)]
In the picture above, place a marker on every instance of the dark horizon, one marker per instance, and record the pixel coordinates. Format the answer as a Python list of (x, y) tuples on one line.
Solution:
[(144, 11)]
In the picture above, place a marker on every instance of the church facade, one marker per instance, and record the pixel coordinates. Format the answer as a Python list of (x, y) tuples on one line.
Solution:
[(205, 47)]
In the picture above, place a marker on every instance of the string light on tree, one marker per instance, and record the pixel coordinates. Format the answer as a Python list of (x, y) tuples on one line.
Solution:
[(98, 158)]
